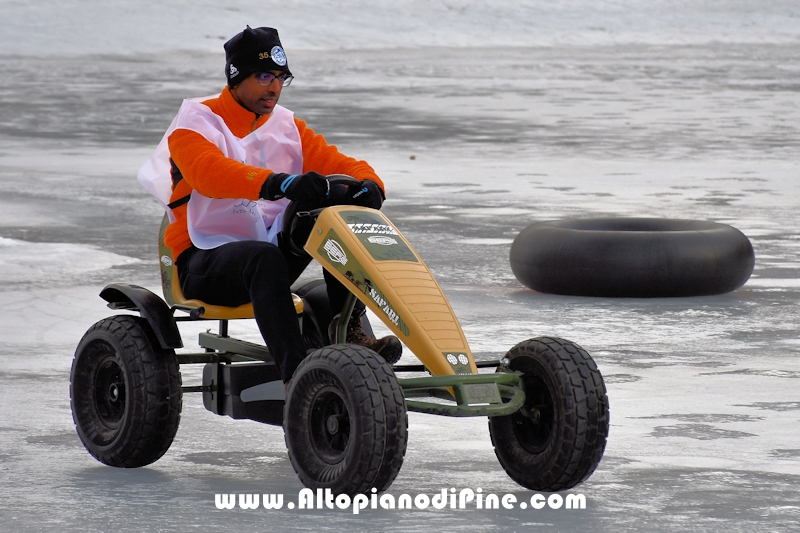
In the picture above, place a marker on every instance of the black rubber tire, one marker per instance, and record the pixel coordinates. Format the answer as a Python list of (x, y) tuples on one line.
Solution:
[(345, 421), (632, 257), (125, 392), (563, 445)]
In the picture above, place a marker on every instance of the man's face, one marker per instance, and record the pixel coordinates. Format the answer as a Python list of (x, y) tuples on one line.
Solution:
[(260, 99)]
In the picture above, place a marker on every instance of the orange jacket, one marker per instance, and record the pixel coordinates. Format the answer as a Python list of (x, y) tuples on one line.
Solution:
[(206, 170)]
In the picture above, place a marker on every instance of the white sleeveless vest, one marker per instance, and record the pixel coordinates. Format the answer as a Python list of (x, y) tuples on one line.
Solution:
[(216, 221)]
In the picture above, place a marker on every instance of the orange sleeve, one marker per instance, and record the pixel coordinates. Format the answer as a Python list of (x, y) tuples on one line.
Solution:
[(319, 156), (202, 165)]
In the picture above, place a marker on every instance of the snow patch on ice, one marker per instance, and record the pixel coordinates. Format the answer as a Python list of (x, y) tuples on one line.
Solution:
[(787, 283), (22, 261)]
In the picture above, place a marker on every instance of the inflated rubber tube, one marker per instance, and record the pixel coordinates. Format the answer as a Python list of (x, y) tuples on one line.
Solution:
[(632, 257)]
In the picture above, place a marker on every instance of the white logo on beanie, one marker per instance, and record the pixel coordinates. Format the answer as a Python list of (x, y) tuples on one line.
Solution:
[(234, 71), (278, 56)]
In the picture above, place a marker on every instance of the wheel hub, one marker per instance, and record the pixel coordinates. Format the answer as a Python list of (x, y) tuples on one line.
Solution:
[(533, 414), (109, 386), (534, 422), (329, 423), (332, 424)]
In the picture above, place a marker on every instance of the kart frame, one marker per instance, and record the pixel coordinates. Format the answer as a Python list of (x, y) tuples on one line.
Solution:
[(468, 394)]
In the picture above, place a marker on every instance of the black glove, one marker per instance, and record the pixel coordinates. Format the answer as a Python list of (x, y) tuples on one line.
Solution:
[(311, 187), (368, 195)]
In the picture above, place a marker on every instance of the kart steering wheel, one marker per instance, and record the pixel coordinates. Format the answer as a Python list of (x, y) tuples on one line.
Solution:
[(299, 217)]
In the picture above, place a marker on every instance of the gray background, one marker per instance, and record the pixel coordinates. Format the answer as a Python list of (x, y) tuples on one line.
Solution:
[(513, 113)]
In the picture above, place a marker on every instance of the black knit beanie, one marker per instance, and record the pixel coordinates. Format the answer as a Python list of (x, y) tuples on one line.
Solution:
[(253, 50)]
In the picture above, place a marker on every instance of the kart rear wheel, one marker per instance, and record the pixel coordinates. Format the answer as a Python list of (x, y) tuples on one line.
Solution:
[(345, 421), (557, 438), (125, 393)]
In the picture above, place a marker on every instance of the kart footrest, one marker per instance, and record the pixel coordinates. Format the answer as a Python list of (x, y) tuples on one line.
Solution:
[(236, 390)]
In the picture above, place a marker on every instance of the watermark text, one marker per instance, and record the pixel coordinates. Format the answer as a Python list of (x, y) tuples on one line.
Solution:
[(444, 499)]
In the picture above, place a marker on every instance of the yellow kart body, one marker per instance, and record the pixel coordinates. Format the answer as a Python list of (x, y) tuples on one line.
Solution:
[(366, 252)]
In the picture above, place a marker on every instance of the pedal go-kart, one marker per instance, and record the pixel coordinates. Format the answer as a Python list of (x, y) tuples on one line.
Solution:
[(344, 415)]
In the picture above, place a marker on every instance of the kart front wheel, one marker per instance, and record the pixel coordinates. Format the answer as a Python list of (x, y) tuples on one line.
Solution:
[(125, 393), (345, 421), (557, 438)]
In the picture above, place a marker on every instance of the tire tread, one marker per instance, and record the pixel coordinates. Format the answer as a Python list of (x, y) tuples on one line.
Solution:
[(154, 393), (580, 441), (382, 416)]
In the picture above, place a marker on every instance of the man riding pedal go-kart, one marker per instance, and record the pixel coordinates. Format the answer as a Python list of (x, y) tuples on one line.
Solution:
[(252, 194), (236, 161)]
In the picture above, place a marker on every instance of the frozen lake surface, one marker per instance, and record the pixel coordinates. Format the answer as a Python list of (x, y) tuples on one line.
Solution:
[(474, 143)]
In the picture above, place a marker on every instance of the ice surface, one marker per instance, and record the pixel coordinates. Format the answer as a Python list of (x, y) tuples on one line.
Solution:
[(24, 262), (481, 118), (127, 26)]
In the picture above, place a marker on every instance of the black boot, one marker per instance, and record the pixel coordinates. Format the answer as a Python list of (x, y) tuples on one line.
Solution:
[(389, 347)]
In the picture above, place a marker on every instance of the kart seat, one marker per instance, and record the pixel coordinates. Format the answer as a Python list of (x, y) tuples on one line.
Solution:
[(174, 296)]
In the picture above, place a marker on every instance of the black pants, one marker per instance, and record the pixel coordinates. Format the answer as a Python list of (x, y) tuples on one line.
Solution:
[(252, 271)]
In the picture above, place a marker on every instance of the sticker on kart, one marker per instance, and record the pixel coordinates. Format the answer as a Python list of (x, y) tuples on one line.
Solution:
[(378, 236), (336, 253)]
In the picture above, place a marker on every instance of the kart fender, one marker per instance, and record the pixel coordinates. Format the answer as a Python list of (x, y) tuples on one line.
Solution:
[(150, 306)]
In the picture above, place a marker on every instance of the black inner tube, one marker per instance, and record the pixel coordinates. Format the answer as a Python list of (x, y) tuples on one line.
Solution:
[(632, 257)]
